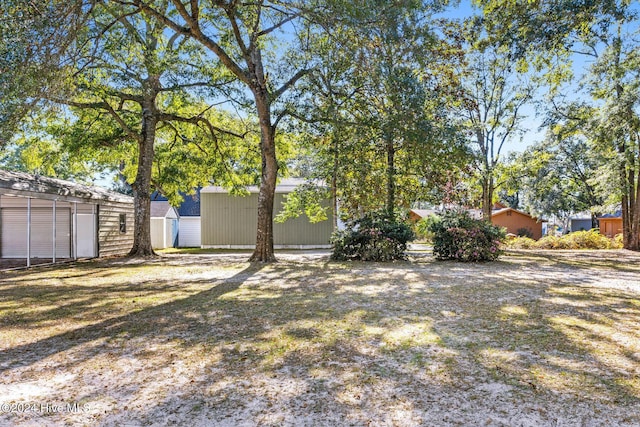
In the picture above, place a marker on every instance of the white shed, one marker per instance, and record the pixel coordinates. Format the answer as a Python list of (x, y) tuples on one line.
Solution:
[(188, 218), (164, 225)]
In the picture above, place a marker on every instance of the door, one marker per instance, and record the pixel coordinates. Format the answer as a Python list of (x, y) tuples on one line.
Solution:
[(174, 233), (86, 225)]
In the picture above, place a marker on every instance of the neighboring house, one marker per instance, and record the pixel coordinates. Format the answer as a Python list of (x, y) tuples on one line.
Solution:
[(416, 215), (513, 220), (516, 221), (580, 224), (164, 225), (230, 221), (188, 219), (47, 218), (611, 224)]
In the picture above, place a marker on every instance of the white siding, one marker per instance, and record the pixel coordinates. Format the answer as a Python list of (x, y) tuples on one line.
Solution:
[(189, 236), (157, 233)]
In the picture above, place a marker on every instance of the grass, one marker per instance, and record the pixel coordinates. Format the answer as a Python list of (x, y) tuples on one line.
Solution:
[(538, 338)]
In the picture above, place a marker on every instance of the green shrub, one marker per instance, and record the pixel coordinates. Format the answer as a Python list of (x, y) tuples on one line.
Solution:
[(422, 228), (372, 238), (459, 237), (524, 232)]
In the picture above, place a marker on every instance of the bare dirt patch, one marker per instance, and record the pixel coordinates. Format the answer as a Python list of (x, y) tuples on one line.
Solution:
[(538, 338)]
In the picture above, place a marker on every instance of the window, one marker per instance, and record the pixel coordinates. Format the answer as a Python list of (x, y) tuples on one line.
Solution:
[(123, 223), (509, 213)]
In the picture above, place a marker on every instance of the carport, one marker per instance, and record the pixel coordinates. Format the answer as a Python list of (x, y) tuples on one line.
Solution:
[(46, 220)]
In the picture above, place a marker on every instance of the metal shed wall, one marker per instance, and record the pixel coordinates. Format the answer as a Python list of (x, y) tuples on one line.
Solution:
[(578, 224), (230, 221), (14, 220)]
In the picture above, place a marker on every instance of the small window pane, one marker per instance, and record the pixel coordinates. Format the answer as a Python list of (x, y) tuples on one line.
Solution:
[(123, 223)]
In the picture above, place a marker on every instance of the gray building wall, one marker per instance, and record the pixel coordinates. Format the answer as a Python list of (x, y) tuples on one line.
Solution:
[(228, 220), (580, 224), (111, 241)]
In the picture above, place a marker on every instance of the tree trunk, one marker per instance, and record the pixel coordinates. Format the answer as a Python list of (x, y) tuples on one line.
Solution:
[(142, 184), (631, 212), (630, 207), (487, 197), (391, 172), (264, 237), (334, 182)]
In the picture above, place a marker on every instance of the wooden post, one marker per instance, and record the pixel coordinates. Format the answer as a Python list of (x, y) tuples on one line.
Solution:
[(28, 231), (74, 231), (96, 229), (53, 257)]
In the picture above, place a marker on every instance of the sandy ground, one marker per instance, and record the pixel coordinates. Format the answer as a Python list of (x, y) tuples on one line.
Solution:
[(549, 339)]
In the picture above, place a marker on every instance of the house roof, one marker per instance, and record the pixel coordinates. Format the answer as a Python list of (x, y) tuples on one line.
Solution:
[(422, 213), (190, 205), (505, 210), (286, 185), (616, 214), (37, 186)]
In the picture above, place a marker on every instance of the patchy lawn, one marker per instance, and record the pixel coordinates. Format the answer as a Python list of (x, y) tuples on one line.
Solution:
[(538, 338)]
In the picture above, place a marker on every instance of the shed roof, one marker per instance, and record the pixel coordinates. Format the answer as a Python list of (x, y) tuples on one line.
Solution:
[(42, 187), (505, 210), (160, 208), (286, 185), (616, 214)]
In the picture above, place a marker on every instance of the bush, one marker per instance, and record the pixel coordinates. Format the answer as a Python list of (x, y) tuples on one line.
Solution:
[(521, 243), (372, 238), (618, 242), (552, 242), (524, 232), (590, 239), (423, 227), (459, 237)]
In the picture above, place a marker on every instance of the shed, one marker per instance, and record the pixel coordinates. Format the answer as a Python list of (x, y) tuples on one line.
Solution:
[(47, 220), (580, 224), (517, 222), (611, 224), (164, 225), (188, 218), (230, 221)]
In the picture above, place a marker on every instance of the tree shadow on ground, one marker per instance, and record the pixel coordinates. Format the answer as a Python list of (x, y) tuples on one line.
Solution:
[(328, 343)]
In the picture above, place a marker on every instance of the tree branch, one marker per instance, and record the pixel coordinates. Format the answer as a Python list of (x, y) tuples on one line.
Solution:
[(197, 120), (297, 76), (103, 105)]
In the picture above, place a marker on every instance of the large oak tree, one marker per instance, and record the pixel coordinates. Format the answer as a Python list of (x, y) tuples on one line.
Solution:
[(241, 36)]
